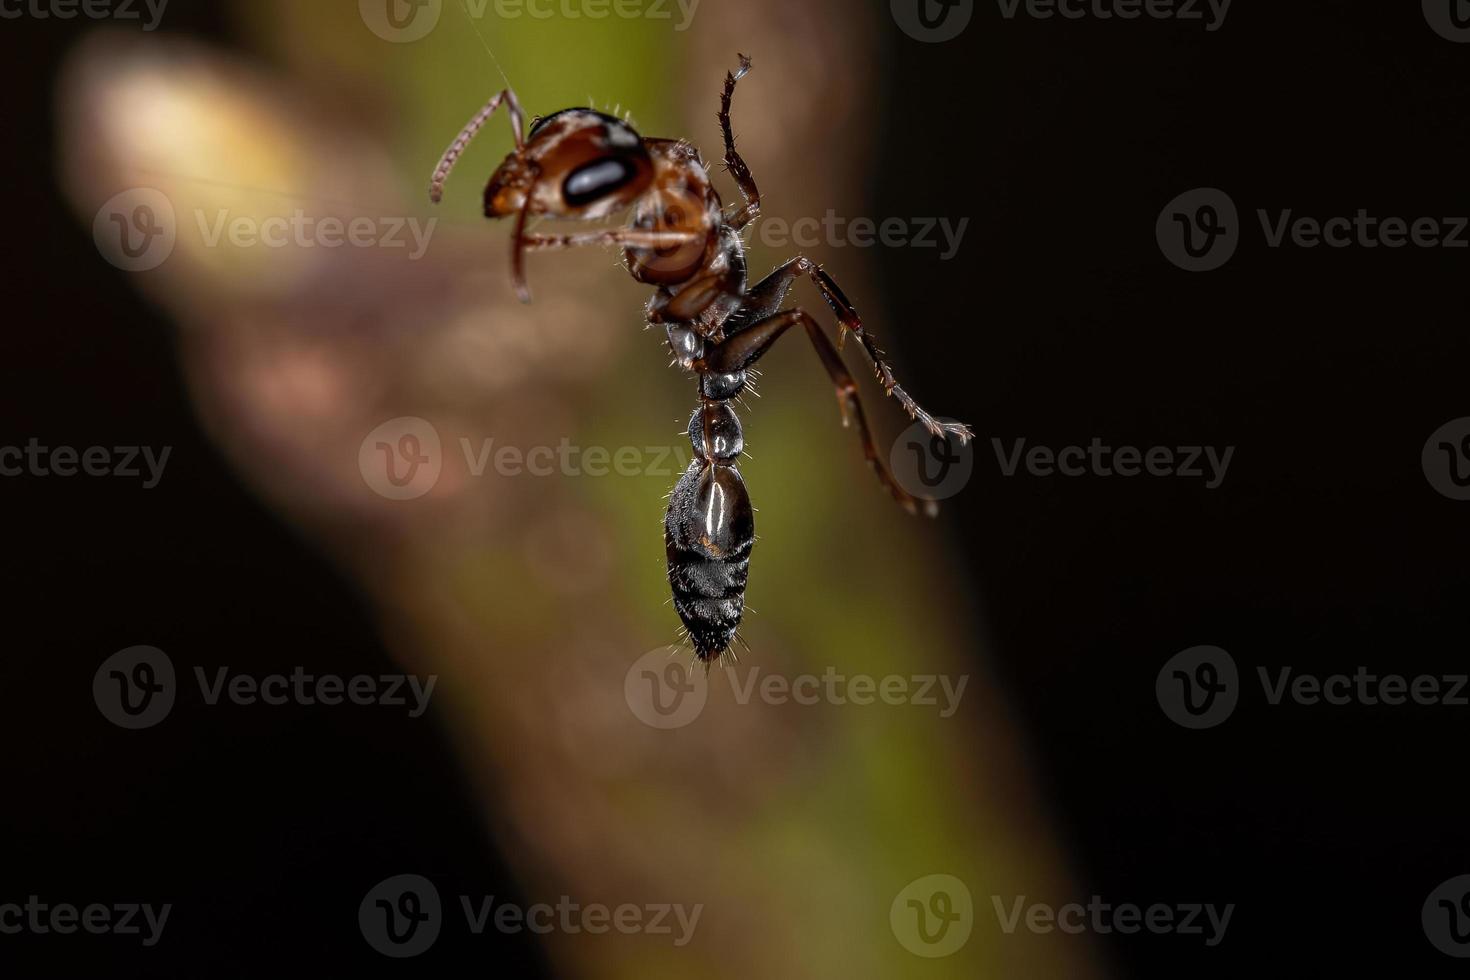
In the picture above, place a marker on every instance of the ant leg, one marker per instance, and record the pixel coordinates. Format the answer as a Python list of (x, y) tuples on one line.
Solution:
[(685, 303), (452, 155), (770, 292), (733, 161), (847, 315), (626, 237), (743, 349), (521, 243)]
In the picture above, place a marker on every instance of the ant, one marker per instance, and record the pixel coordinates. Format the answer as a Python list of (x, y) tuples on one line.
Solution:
[(586, 165)]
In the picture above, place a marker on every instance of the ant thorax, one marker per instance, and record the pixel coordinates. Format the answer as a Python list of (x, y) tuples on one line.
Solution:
[(681, 198)]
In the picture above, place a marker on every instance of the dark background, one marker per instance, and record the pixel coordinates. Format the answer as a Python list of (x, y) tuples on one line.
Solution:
[(1326, 549)]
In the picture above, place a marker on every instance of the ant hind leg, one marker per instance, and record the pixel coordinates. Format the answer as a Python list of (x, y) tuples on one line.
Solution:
[(767, 296), (848, 317), (745, 348)]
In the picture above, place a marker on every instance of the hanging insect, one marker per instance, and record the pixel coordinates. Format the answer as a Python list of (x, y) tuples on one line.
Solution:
[(586, 165)]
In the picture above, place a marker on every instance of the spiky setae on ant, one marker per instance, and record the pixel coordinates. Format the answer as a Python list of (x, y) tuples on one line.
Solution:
[(586, 165)]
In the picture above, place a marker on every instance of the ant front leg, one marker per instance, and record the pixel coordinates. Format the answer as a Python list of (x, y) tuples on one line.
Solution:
[(745, 348), (733, 161), (624, 237), (521, 243)]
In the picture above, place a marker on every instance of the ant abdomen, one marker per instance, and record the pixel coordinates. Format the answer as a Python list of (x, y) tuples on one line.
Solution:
[(709, 532)]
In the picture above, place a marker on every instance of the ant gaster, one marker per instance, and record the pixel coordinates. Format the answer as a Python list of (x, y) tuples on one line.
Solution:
[(586, 165)]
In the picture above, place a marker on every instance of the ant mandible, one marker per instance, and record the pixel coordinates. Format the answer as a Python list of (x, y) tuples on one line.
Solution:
[(586, 165)]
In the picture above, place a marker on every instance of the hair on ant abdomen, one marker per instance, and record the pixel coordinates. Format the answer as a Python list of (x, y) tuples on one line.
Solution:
[(682, 240)]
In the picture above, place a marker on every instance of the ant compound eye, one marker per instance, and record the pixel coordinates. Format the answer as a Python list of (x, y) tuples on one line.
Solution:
[(596, 180)]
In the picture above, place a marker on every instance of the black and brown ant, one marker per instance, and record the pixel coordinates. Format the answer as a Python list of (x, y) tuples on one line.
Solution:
[(586, 165)]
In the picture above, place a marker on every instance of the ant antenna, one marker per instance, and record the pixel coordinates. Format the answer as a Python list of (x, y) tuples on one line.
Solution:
[(456, 149), (484, 43), (462, 141)]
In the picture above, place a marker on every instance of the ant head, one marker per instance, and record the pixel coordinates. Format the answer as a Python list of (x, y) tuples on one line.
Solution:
[(577, 163)]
